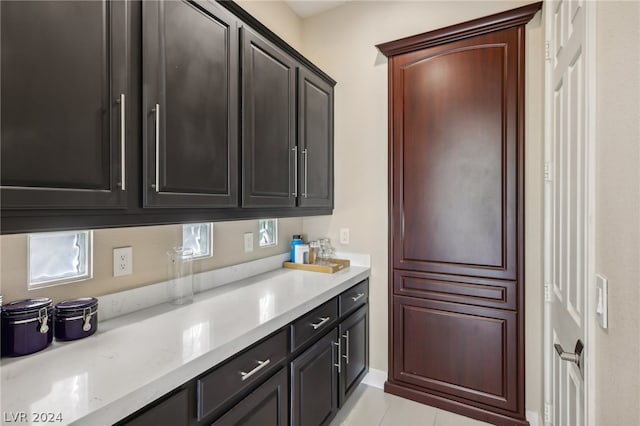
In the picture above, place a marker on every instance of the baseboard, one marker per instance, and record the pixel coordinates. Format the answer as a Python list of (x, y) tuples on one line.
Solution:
[(375, 378), (533, 417)]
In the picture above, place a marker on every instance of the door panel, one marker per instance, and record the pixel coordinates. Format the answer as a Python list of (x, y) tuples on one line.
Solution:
[(354, 332), (267, 405), (455, 190), (62, 135), (268, 113), (458, 350), (190, 71), (567, 198), (315, 140), (314, 383)]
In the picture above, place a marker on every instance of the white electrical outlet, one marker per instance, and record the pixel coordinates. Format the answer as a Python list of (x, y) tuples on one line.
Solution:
[(248, 242), (344, 235), (122, 261)]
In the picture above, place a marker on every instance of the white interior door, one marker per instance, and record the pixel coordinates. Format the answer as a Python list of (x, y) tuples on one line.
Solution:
[(568, 204)]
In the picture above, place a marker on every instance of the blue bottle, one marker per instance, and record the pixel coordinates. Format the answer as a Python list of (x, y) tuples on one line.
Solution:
[(297, 239)]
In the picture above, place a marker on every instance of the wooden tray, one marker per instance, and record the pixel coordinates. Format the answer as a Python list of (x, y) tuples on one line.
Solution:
[(335, 265)]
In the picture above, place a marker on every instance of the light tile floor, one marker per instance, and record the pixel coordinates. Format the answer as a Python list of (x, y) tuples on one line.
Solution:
[(370, 406)]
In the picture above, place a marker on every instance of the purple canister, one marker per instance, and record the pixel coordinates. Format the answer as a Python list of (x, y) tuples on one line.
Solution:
[(76, 318), (26, 326)]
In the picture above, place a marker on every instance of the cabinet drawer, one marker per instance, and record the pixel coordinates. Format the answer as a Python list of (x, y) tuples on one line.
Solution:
[(353, 298), (221, 385), (314, 323), (173, 410)]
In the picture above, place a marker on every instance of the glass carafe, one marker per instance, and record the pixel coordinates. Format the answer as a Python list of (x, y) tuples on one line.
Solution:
[(180, 283)]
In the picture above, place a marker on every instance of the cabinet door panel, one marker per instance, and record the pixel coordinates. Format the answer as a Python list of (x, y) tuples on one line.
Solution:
[(314, 383), (354, 332), (64, 67), (267, 405), (268, 113), (171, 411), (315, 139), (457, 350), (456, 158), (190, 72)]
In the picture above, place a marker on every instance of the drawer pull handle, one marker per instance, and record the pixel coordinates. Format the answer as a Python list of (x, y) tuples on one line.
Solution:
[(261, 364), (321, 323), (358, 297), (346, 352)]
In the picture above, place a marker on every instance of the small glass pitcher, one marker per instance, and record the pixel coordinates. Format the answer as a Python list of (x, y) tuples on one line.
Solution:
[(180, 284)]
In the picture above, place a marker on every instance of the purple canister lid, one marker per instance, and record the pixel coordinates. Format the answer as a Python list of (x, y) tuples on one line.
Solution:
[(74, 306), (25, 307)]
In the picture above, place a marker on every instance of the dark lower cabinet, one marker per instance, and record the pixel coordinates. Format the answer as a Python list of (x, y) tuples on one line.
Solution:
[(314, 383), (268, 405), (190, 104), (292, 377), (169, 411), (64, 98), (354, 332)]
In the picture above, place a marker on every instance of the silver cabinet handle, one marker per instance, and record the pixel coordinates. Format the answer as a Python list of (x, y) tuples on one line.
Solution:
[(295, 171), (123, 135), (306, 170), (261, 364), (346, 341), (358, 297), (321, 323), (576, 356), (156, 110), (339, 365)]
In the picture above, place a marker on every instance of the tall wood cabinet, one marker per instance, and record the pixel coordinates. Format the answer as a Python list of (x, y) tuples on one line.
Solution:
[(456, 164)]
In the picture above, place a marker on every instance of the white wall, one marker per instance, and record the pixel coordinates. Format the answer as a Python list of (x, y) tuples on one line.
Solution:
[(618, 210), (342, 42)]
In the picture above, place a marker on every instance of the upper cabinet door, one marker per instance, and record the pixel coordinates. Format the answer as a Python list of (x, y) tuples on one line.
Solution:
[(315, 140), (64, 104), (269, 163), (190, 111)]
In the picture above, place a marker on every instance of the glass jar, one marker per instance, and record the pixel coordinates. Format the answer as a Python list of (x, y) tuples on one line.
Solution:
[(180, 284)]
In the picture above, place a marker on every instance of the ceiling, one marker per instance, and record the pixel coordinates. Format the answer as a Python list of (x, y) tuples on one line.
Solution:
[(305, 8)]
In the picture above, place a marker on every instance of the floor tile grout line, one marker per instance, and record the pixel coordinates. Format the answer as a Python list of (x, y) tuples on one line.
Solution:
[(384, 414)]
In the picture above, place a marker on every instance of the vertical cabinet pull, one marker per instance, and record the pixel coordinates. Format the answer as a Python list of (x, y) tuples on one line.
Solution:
[(306, 170), (156, 110), (346, 341), (295, 171), (123, 134), (338, 344)]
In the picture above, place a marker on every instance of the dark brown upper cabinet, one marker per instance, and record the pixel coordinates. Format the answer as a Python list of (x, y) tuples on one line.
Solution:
[(65, 87), (269, 163), (190, 105), (315, 140)]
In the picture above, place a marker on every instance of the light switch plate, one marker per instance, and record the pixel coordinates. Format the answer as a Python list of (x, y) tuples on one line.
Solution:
[(248, 242), (602, 302), (344, 235)]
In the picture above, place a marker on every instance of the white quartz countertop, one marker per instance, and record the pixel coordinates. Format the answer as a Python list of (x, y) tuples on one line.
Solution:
[(136, 358)]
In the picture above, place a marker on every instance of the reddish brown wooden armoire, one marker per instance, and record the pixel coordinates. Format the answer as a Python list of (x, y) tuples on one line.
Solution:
[(456, 176)]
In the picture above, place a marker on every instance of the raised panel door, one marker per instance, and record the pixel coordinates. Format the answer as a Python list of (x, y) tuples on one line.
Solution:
[(462, 352), (190, 98), (354, 359), (269, 163), (314, 383), (456, 157), (65, 88), (315, 140)]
